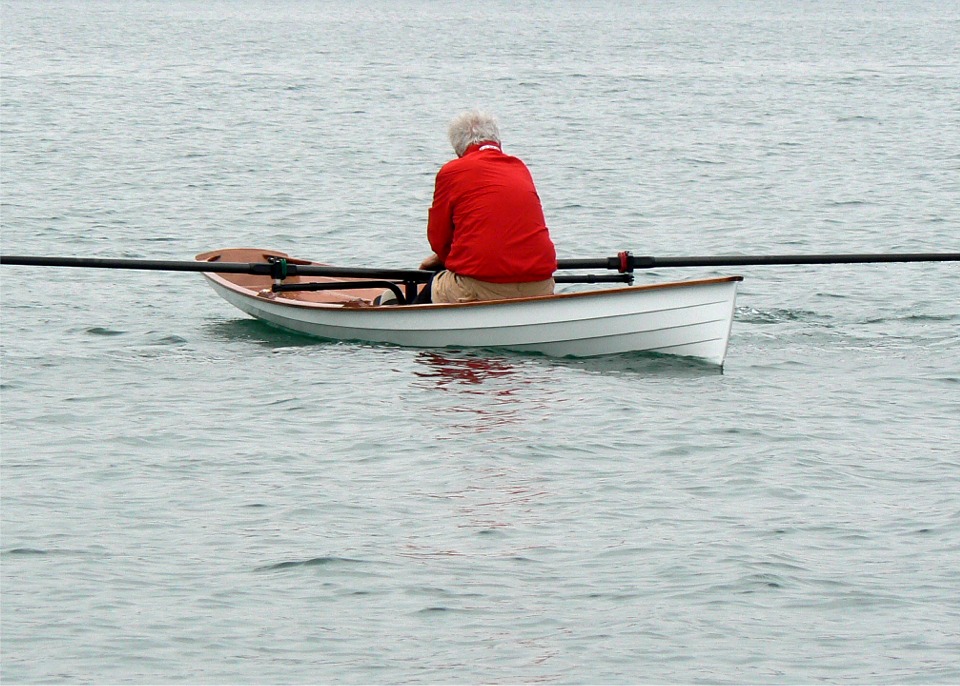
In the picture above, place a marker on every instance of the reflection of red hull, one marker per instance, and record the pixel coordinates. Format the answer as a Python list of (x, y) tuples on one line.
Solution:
[(470, 370), (690, 318)]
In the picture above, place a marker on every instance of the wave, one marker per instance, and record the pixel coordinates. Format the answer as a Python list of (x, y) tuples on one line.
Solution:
[(752, 315), (324, 561)]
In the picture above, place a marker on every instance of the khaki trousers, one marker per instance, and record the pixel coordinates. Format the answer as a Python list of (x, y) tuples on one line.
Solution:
[(454, 288)]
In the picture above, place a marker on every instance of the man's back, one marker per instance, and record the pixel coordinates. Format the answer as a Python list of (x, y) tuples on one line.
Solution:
[(487, 222)]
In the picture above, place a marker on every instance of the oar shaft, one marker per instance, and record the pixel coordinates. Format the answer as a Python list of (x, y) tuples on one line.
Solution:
[(760, 260), (647, 262), (152, 265), (261, 268)]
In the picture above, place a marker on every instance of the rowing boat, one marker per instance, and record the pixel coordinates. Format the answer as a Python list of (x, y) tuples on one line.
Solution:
[(689, 318)]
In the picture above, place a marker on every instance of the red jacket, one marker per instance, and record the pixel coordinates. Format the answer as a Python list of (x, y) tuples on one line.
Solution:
[(486, 220)]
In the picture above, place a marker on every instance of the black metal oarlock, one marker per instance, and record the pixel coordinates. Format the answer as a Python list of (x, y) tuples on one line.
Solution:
[(279, 269)]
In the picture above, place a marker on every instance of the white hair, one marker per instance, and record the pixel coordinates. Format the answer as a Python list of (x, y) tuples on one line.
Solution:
[(469, 128)]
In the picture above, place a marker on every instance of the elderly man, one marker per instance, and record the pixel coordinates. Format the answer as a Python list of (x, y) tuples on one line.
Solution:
[(486, 224)]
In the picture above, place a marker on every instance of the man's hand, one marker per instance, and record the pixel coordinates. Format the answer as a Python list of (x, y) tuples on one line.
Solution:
[(432, 263)]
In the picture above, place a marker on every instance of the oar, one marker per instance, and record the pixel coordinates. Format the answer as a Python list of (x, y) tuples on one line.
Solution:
[(278, 268), (625, 262)]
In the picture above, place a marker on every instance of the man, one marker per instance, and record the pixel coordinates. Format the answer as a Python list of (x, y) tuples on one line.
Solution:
[(486, 225)]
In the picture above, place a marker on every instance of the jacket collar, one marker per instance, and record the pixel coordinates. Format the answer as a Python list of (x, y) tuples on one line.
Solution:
[(482, 145)]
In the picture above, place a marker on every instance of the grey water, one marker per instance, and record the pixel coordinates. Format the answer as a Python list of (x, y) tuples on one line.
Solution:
[(189, 496)]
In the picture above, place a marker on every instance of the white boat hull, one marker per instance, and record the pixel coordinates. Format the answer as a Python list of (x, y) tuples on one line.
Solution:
[(690, 318)]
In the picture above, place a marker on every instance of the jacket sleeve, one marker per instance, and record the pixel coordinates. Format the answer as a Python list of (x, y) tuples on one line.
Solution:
[(440, 219)]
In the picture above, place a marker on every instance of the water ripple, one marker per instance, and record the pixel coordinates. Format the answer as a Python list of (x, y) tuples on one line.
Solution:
[(206, 499)]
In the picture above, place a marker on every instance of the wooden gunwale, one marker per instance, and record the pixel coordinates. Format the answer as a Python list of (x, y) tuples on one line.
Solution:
[(280, 300)]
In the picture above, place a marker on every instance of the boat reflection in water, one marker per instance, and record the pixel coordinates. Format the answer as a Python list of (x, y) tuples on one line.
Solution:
[(489, 487), (473, 369), (494, 391), (469, 369)]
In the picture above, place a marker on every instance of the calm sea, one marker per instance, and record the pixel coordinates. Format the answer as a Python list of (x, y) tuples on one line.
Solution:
[(191, 497)]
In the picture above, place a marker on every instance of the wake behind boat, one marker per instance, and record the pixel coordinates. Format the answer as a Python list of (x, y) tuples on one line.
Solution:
[(689, 318)]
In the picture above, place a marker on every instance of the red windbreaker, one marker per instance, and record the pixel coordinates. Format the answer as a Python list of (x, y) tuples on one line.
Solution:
[(486, 221)]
